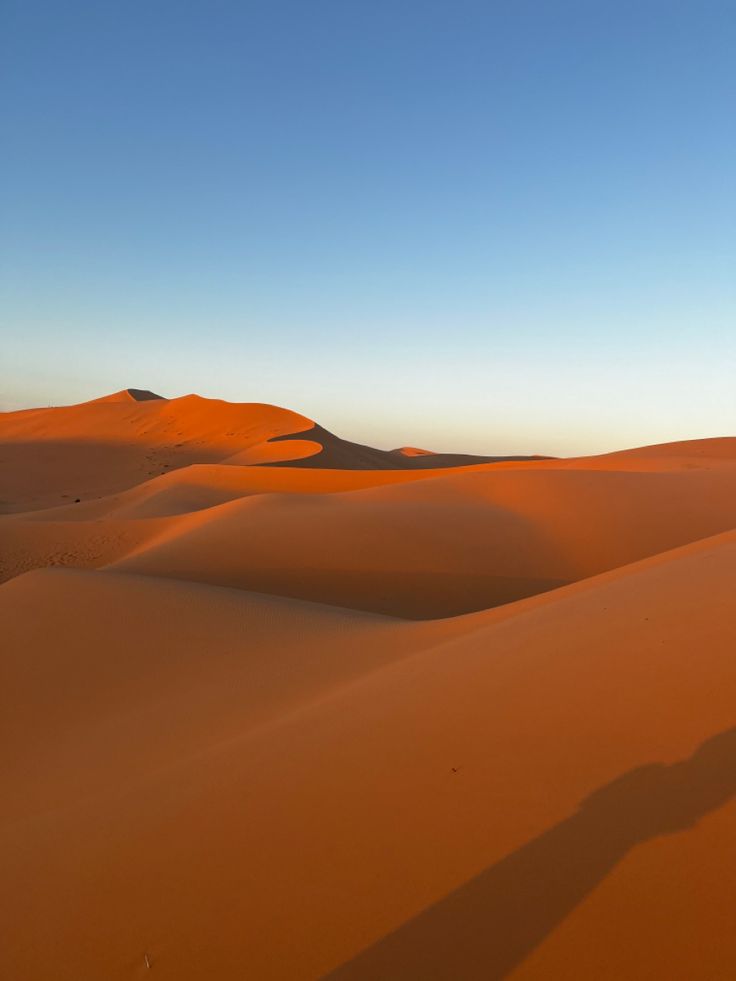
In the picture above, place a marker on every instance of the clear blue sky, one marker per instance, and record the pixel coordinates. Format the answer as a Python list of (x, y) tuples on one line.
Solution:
[(468, 225)]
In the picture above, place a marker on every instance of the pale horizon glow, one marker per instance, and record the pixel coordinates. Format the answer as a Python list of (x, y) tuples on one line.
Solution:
[(469, 227)]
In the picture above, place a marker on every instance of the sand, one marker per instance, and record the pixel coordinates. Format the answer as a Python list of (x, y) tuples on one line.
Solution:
[(298, 721), (55, 455)]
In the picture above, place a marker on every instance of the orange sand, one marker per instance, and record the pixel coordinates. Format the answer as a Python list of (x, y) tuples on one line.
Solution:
[(247, 735)]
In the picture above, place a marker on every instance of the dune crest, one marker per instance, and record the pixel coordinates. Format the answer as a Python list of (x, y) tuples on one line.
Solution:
[(129, 395)]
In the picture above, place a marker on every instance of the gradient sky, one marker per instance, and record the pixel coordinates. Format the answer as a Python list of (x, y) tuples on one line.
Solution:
[(482, 226)]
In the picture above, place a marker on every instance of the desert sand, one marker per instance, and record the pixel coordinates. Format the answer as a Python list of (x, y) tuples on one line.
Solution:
[(280, 706)]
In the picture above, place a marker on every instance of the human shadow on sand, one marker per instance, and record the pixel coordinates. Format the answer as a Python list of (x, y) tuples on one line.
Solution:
[(487, 927)]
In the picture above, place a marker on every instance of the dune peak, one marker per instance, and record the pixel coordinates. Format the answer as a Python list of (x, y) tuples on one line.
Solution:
[(131, 395), (141, 394)]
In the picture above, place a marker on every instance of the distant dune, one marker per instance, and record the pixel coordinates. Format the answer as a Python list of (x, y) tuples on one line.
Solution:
[(413, 451), (280, 706)]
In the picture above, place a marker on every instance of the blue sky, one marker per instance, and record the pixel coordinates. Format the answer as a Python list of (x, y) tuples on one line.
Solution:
[(479, 226)]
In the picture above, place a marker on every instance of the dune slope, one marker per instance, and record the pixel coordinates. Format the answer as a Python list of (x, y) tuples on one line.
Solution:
[(422, 543), (440, 547), (281, 706), (381, 822)]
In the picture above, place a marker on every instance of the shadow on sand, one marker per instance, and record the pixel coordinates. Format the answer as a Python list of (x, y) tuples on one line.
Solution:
[(488, 926)]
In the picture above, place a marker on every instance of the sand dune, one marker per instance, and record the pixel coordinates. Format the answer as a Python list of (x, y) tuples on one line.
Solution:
[(209, 802), (183, 644), (443, 546), (416, 544), (54, 455), (84, 451), (298, 708)]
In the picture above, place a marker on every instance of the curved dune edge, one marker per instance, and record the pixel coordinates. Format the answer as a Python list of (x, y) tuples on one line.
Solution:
[(223, 804), (272, 452)]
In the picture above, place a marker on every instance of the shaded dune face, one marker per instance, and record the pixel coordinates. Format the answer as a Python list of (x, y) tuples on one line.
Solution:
[(280, 706)]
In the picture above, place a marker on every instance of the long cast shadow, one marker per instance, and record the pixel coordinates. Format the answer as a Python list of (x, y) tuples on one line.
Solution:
[(487, 927)]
